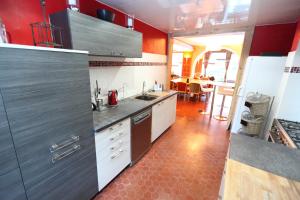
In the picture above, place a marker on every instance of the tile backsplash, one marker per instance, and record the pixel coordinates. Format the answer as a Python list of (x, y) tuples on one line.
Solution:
[(128, 77)]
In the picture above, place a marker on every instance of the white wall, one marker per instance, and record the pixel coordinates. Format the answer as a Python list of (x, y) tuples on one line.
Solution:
[(131, 77), (289, 108)]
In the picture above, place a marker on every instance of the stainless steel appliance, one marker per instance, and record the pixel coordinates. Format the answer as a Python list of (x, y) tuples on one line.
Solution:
[(140, 135), (285, 132)]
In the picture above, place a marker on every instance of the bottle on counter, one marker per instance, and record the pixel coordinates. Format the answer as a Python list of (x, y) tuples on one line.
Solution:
[(3, 35)]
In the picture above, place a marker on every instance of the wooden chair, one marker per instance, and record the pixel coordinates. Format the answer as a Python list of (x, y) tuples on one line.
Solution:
[(182, 89), (195, 89), (172, 85)]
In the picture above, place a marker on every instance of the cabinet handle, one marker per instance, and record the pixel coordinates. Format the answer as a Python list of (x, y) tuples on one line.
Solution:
[(112, 138), (117, 146), (117, 155), (56, 147), (56, 157)]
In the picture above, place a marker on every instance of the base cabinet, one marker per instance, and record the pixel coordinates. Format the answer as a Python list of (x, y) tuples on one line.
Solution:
[(163, 116), (112, 151)]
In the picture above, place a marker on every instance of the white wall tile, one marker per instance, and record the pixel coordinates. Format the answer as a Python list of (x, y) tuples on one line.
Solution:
[(131, 77)]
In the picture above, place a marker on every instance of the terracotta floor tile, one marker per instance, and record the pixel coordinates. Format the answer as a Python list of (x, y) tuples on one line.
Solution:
[(185, 163)]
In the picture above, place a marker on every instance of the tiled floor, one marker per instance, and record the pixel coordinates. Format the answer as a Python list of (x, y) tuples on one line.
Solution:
[(185, 163)]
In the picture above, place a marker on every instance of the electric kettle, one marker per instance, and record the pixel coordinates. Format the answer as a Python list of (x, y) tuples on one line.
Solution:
[(112, 97)]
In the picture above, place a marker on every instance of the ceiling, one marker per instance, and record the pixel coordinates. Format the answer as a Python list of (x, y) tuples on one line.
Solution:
[(179, 16)]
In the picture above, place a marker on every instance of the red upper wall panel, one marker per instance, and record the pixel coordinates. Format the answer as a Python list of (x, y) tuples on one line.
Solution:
[(296, 37), (18, 14), (272, 38)]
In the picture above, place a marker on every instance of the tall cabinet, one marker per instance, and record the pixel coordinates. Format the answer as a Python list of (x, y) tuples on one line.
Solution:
[(11, 185), (46, 94)]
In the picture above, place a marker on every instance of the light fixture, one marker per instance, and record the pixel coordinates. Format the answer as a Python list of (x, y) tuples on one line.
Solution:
[(3, 35), (129, 21), (73, 5)]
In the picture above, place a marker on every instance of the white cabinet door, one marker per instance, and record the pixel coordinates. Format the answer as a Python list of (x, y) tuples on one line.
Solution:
[(163, 116), (157, 121)]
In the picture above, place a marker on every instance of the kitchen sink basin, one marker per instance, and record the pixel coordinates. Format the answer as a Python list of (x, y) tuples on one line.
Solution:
[(146, 97)]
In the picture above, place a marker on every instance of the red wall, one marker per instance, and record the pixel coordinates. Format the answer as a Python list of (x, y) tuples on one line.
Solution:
[(296, 37), (273, 38), (18, 14)]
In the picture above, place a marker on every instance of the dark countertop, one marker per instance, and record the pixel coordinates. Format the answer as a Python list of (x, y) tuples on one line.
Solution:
[(126, 108), (275, 158)]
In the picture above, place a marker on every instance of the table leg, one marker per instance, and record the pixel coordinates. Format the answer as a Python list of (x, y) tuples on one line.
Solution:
[(212, 102), (220, 117)]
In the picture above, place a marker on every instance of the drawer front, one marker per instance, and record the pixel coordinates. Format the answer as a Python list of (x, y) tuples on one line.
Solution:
[(111, 148), (8, 159), (11, 186), (112, 165), (108, 136)]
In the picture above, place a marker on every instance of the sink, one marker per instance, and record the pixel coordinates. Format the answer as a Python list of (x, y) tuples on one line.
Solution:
[(146, 97)]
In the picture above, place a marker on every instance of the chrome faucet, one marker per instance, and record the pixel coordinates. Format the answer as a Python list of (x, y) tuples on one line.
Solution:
[(144, 85), (98, 101)]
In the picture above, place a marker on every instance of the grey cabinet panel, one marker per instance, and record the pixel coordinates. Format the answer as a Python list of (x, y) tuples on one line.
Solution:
[(8, 159), (11, 186), (70, 183), (97, 36), (47, 100)]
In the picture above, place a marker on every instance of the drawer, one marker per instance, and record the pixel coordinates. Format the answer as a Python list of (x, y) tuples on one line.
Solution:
[(112, 134), (111, 148), (112, 165)]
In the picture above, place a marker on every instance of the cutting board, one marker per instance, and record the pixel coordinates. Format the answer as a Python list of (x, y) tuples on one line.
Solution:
[(243, 182)]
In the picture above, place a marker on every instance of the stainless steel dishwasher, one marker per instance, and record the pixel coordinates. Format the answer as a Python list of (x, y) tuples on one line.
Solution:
[(140, 135)]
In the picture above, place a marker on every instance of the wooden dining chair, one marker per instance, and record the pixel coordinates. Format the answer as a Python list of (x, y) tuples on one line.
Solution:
[(172, 85), (181, 88), (195, 89)]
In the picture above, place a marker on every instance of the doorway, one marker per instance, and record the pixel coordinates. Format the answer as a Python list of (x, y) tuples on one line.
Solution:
[(209, 57)]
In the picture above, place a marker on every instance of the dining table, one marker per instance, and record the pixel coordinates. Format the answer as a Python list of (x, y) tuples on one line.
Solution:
[(227, 86)]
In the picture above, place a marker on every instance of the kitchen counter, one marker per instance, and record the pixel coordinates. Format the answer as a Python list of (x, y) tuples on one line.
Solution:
[(126, 108), (270, 157)]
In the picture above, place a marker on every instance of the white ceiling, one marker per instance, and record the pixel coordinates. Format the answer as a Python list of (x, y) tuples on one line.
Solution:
[(179, 16)]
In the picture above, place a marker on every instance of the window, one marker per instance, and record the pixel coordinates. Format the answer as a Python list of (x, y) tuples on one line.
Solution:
[(177, 64), (217, 66)]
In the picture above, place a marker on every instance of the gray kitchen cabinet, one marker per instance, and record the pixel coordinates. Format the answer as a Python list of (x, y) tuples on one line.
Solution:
[(47, 101), (99, 37), (11, 186), (8, 159)]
